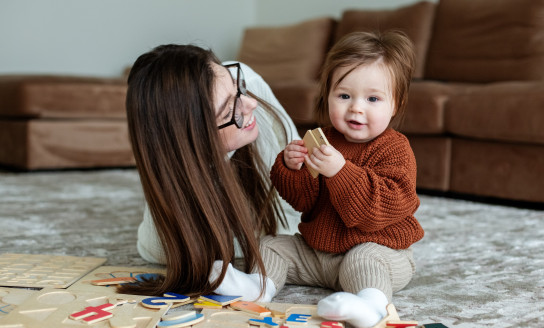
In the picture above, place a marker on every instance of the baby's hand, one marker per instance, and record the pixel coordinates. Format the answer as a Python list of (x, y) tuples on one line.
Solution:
[(326, 160), (294, 154)]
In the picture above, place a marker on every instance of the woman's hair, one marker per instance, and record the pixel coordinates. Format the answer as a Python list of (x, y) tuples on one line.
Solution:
[(394, 48), (198, 198)]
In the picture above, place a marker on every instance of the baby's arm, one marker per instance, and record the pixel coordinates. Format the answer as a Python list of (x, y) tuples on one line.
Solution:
[(326, 160), (294, 154)]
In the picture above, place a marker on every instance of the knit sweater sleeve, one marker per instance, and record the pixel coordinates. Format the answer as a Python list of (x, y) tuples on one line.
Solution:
[(379, 193), (297, 187)]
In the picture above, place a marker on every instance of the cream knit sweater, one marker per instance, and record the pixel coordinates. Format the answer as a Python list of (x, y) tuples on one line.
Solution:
[(269, 143)]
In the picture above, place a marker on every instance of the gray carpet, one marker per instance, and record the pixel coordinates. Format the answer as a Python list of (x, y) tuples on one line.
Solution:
[(479, 265)]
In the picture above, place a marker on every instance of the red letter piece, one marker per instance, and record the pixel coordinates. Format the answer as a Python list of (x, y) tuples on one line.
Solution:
[(93, 314)]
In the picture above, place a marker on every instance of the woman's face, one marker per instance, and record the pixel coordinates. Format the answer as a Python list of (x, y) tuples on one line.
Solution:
[(225, 91)]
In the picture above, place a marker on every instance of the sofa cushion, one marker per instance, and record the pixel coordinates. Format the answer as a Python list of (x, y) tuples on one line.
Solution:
[(505, 111), (57, 144), (425, 109), (415, 20), (497, 169), (62, 97), (487, 41), (433, 157), (298, 98), (294, 52)]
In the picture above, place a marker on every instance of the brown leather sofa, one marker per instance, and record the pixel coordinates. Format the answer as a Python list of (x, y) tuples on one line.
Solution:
[(59, 122), (475, 114)]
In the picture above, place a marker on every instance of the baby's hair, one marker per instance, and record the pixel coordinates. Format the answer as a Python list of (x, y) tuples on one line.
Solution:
[(394, 48)]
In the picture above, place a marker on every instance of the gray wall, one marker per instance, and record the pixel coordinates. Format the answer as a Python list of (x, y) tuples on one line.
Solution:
[(102, 37)]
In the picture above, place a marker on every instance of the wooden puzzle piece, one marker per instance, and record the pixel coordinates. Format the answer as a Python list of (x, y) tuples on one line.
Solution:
[(94, 314), (201, 304), (177, 315), (278, 314), (54, 308), (314, 139), (250, 307), (297, 319), (400, 324), (332, 324), (392, 315), (44, 271), (182, 322), (113, 281), (107, 272), (221, 299), (239, 319), (159, 302), (264, 322)]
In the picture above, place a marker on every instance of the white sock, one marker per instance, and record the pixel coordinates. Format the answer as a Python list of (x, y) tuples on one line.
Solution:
[(363, 310), (238, 283)]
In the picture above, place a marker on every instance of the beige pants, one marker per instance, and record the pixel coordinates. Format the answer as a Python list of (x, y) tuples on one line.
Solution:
[(290, 260)]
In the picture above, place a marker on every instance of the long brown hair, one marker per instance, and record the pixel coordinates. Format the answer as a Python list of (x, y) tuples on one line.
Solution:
[(199, 200), (364, 48)]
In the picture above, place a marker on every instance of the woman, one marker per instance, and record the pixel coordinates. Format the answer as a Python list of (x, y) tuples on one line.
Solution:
[(203, 148)]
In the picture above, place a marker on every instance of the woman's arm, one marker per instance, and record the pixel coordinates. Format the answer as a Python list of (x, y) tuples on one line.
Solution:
[(149, 244)]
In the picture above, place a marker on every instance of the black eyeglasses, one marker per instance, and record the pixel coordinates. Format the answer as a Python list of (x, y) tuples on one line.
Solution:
[(237, 110)]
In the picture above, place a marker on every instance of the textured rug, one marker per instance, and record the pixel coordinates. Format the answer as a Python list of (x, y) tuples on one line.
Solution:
[(479, 265)]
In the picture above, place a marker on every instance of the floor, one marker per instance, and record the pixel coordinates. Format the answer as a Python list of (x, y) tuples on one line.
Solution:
[(479, 265)]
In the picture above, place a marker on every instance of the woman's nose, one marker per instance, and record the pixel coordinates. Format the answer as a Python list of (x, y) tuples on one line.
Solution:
[(249, 103)]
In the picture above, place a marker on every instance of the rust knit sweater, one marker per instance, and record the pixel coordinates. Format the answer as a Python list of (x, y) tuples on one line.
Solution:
[(371, 199)]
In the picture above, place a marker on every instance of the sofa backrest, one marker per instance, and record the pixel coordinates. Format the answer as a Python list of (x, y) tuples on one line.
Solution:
[(288, 53), (415, 20), (487, 41)]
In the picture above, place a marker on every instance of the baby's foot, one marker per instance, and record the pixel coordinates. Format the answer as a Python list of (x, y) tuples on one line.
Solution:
[(363, 310), (238, 283)]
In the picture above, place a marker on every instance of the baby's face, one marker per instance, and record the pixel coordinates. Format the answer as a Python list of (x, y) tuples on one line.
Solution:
[(361, 105)]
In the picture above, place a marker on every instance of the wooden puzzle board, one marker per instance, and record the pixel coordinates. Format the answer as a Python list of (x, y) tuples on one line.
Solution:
[(44, 271), (105, 272), (237, 319), (232, 318), (53, 307), (11, 298)]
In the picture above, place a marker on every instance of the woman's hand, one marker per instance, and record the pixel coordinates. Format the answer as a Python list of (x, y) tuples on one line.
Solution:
[(294, 154), (326, 160)]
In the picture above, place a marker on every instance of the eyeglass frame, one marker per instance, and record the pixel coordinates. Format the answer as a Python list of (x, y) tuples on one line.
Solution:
[(241, 90)]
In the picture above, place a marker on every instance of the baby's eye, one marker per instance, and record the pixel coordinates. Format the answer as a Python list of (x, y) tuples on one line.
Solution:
[(344, 96), (373, 99)]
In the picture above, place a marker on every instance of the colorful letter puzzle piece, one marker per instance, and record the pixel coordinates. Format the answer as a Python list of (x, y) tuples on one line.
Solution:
[(250, 307), (264, 322), (297, 319), (93, 314), (221, 299), (184, 321), (158, 302), (401, 324)]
